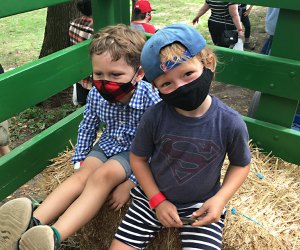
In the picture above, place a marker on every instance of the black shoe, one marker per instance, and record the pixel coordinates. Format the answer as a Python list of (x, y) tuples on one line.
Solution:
[(249, 46)]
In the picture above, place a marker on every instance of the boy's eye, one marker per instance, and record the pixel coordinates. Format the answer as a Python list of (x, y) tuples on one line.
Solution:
[(189, 73), (165, 84)]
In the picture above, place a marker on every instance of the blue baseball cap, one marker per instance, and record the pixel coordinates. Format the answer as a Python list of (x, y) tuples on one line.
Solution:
[(188, 36)]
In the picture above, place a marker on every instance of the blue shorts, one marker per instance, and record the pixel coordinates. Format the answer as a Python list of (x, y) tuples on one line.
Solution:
[(140, 225), (122, 158)]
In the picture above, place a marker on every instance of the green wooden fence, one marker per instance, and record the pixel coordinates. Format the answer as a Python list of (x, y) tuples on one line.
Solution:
[(276, 76)]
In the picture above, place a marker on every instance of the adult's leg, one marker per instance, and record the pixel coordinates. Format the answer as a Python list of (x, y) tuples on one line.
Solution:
[(216, 30), (4, 136), (61, 198), (267, 46), (4, 150), (247, 25)]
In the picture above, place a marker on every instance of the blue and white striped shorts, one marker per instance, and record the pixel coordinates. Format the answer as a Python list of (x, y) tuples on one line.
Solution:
[(140, 225)]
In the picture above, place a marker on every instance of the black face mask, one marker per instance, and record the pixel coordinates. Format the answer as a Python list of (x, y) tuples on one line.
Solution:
[(190, 96)]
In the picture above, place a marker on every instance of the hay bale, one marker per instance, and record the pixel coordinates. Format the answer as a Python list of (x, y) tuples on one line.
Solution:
[(267, 207), (267, 210), (99, 232)]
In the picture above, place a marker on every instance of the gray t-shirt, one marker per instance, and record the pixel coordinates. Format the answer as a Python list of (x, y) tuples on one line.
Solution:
[(187, 153)]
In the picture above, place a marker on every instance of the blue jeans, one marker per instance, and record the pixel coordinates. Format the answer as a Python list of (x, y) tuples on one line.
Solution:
[(266, 49)]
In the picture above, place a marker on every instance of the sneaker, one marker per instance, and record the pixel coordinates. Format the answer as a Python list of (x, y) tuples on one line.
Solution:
[(15, 218), (41, 237), (249, 46)]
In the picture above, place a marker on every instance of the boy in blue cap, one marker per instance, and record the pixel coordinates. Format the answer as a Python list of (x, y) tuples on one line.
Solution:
[(180, 146)]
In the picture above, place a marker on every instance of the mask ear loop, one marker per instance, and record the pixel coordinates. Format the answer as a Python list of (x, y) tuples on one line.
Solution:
[(134, 76)]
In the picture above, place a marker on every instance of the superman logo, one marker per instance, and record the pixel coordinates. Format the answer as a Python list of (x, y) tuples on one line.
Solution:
[(188, 156)]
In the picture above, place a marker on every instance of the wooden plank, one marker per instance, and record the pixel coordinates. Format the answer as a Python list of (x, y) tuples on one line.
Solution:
[(269, 74), (110, 12), (12, 7), (51, 74), (30, 158), (282, 142), (34, 82)]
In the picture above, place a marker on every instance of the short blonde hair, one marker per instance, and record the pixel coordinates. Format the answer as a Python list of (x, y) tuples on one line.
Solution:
[(174, 53), (120, 41)]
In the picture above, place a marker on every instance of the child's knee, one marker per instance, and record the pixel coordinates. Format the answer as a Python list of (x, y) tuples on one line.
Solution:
[(107, 175), (83, 174)]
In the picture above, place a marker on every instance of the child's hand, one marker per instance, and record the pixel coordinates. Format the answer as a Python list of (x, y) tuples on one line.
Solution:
[(167, 214), (210, 211), (120, 195)]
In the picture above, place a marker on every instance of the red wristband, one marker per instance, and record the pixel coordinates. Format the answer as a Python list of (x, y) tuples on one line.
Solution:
[(156, 200), (240, 30)]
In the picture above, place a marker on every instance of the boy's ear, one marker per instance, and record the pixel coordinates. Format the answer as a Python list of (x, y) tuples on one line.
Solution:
[(211, 63), (139, 74)]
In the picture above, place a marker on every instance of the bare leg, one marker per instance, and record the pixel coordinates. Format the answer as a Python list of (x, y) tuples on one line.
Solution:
[(118, 245), (85, 207), (61, 198), (4, 150)]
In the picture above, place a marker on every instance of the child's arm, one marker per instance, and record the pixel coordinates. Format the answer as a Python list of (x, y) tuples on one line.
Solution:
[(88, 128), (166, 212), (120, 195), (211, 210)]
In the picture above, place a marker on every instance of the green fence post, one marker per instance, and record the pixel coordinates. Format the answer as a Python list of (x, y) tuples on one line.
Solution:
[(274, 109), (109, 12)]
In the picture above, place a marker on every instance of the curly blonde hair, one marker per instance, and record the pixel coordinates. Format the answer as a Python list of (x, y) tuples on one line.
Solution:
[(120, 41), (174, 53)]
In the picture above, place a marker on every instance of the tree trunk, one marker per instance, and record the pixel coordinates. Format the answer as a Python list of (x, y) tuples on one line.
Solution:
[(57, 27), (56, 37)]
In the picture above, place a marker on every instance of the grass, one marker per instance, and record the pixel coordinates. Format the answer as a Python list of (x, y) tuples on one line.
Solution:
[(21, 38), (179, 11)]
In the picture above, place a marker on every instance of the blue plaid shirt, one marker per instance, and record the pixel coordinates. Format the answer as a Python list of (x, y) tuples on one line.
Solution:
[(120, 121)]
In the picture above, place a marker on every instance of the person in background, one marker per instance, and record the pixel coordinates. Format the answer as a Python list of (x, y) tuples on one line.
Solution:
[(80, 30), (4, 131), (224, 16), (244, 13), (4, 138), (271, 22), (142, 16)]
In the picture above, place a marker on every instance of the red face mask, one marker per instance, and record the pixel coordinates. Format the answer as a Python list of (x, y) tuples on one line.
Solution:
[(113, 91)]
